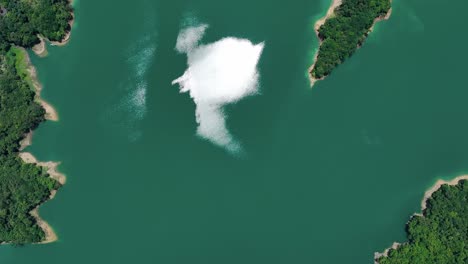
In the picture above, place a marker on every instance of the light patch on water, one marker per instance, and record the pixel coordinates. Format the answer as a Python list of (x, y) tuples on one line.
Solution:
[(135, 102), (219, 73), (139, 63), (143, 52), (131, 107)]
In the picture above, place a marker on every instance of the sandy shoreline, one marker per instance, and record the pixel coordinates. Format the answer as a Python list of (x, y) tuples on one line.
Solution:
[(27, 157), (377, 255), (67, 37), (427, 195), (50, 235), (386, 17), (437, 186), (51, 113), (51, 167), (317, 25), (40, 49), (320, 22), (330, 13)]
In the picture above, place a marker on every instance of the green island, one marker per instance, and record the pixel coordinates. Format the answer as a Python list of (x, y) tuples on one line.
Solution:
[(343, 31), (440, 234), (24, 185)]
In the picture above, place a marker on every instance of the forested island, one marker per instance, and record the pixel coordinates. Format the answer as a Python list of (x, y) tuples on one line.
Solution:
[(25, 183), (343, 30), (440, 233)]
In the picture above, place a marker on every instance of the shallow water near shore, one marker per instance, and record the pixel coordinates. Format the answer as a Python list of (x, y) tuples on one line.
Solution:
[(329, 175)]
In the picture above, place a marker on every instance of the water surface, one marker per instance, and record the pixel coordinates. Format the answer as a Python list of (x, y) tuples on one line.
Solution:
[(330, 174)]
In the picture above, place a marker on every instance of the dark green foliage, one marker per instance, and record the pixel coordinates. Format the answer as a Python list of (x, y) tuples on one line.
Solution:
[(51, 18), (23, 186), (345, 31), (25, 20), (18, 112), (441, 235)]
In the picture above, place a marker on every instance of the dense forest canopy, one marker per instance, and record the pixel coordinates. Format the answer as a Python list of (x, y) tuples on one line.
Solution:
[(23, 186), (345, 31), (25, 20), (440, 235)]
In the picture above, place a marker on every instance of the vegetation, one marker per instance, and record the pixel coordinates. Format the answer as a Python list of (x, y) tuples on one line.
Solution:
[(23, 186), (343, 33), (25, 20), (441, 234), (19, 113)]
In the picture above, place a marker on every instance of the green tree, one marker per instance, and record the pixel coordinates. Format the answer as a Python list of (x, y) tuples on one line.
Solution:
[(440, 235), (23, 186), (343, 33)]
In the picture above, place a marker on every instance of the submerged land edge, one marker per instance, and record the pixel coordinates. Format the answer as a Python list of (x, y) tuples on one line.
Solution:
[(330, 12), (319, 23), (427, 195), (51, 114), (40, 49)]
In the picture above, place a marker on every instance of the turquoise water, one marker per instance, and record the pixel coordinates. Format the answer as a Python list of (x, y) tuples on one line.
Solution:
[(329, 175)]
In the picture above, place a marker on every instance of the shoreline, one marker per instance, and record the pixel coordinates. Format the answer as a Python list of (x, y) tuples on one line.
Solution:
[(386, 17), (27, 157), (40, 49), (437, 186), (330, 13), (317, 25), (67, 37), (427, 195), (52, 115), (378, 255)]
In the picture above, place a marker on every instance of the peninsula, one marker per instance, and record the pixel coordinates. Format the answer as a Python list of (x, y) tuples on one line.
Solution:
[(439, 234), (343, 30), (26, 183)]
